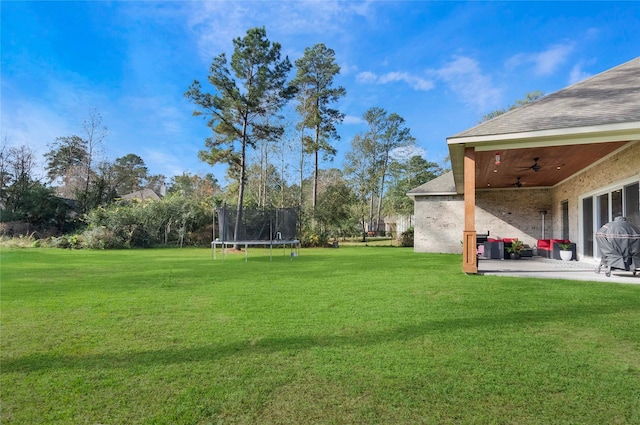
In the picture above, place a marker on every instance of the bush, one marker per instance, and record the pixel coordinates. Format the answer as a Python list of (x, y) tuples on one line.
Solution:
[(312, 240), (134, 224), (406, 239), (60, 242), (101, 238), (22, 241)]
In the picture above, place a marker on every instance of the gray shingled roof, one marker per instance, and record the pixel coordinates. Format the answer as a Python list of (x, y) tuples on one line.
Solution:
[(144, 194), (443, 184), (608, 98)]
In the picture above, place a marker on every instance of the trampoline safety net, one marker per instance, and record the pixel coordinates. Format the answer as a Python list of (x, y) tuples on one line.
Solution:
[(258, 224)]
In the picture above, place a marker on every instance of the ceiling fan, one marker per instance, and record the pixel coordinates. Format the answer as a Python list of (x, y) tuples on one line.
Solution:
[(518, 183), (535, 167)]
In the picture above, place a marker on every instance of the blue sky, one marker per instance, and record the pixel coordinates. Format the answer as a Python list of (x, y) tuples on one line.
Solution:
[(440, 65)]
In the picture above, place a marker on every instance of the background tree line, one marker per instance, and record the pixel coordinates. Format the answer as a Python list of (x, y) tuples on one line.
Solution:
[(272, 132)]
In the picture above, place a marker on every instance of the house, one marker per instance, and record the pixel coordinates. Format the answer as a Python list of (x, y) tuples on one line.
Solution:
[(559, 167), (143, 195)]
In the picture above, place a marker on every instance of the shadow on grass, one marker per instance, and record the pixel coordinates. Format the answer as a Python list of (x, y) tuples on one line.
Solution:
[(36, 362)]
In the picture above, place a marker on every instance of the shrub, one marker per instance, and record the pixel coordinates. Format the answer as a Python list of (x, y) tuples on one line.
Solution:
[(311, 240), (406, 239), (22, 241), (100, 238)]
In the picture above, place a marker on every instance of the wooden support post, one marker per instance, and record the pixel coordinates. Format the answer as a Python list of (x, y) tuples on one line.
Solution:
[(469, 259)]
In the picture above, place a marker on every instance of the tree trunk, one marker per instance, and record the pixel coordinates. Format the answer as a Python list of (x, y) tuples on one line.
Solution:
[(371, 212), (243, 166), (301, 165), (380, 205), (315, 168), (315, 181)]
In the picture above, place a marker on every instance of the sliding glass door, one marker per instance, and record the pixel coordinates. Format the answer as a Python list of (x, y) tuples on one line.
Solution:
[(603, 207), (587, 226)]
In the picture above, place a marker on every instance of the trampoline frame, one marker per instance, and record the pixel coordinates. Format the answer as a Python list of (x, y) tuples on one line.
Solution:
[(292, 244)]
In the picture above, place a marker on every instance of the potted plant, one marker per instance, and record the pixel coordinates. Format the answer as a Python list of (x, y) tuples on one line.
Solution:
[(565, 251), (515, 249)]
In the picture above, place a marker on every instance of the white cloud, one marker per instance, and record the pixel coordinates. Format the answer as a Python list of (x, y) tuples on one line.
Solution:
[(415, 82), (366, 77), (464, 76), (545, 62), (347, 69), (167, 162), (577, 74), (164, 117), (36, 125), (216, 23), (352, 119), (407, 152)]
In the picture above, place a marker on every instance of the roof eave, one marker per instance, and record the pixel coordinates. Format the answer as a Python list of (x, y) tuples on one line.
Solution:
[(413, 195), (618, 132)]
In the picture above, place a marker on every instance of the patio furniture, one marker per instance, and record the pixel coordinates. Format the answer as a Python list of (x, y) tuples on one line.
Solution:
[(550, 248), (496, 249)]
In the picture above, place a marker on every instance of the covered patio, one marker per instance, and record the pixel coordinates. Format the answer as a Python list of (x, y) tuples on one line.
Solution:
[(545, 268), (572, 157)]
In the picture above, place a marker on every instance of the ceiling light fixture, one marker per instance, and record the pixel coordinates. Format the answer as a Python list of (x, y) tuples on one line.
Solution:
[(497, 158)]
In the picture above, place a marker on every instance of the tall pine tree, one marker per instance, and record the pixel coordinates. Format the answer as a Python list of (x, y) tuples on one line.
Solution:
[(247, 88)]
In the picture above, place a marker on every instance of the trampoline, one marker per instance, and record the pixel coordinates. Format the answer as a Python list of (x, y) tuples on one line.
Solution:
[(266, 227)]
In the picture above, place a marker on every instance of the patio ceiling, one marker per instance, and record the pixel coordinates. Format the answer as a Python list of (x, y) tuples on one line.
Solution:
[(556, 163)]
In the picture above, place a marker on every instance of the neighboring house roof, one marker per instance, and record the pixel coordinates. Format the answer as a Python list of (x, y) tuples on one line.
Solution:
[(441, 185), (612, 97), (144, 195)]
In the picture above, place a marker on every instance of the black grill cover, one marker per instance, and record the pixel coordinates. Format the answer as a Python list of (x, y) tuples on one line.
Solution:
[(619, 244)]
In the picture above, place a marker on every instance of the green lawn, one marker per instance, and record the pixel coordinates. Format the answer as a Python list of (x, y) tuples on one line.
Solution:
[(353, 335)]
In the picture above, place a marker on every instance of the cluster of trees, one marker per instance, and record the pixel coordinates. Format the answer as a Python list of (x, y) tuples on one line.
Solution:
[(244, 111), (273, 159), (83, 191)]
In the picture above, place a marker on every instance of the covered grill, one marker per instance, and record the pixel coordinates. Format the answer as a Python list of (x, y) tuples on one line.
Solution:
[(619, 245)]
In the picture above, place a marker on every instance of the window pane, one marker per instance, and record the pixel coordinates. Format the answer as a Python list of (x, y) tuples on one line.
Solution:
[(616, 203), (565, 219), (632, 203), (603, 209), (587, 229)]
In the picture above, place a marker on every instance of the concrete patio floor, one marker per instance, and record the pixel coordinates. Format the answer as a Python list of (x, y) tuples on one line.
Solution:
[(554, 269)]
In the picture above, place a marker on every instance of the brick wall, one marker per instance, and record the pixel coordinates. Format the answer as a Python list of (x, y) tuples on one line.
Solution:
[(439, 220), (622, 165), (513, 213)]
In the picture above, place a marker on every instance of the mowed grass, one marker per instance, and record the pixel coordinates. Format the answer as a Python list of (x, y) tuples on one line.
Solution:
[(336, 336)]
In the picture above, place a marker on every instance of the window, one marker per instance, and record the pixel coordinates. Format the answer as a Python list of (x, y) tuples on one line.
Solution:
[(587, 225), (565, 219), (632, 203), (601, 208)]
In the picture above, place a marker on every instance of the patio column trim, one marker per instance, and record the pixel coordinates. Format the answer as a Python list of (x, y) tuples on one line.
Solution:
[(469, 260)]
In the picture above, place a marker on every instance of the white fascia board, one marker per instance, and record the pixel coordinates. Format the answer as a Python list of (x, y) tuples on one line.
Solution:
[(413, 195), (619, 132)]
